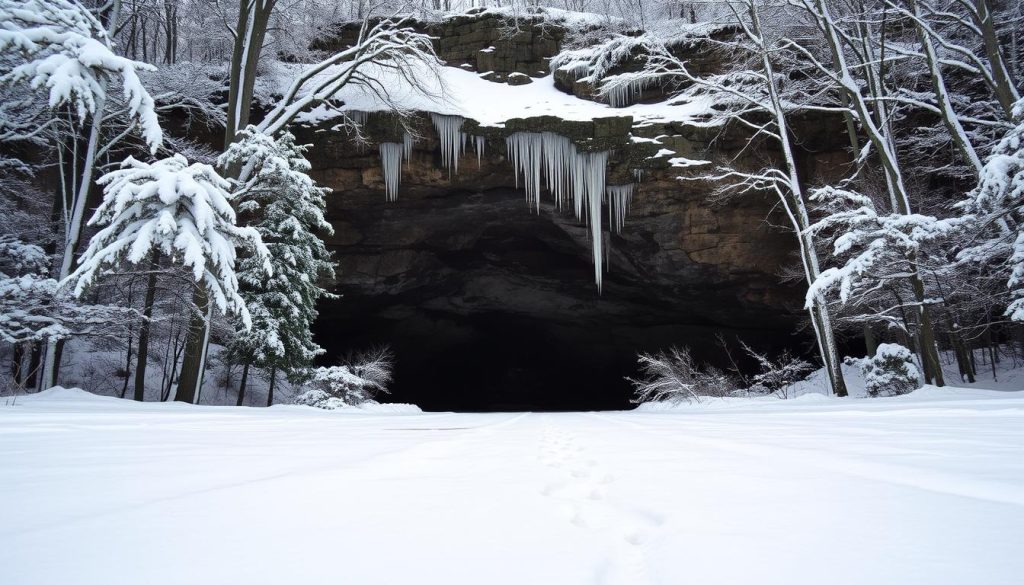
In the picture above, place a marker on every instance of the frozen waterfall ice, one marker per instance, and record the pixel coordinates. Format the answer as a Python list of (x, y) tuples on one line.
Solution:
[(569, 174), (619, 198), (391, 163), (453, 141)]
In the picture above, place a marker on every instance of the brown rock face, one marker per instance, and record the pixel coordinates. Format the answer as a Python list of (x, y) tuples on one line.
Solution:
[(492, 305)]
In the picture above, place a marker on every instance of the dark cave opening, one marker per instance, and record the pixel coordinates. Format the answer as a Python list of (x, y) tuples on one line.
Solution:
[(489, 307), (511, 362)]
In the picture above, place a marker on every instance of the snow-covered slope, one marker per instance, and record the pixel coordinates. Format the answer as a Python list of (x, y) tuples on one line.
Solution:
[(923, 489), (455, 91)]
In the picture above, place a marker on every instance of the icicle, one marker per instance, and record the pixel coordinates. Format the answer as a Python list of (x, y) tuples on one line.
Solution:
[(638, 174), (594, 171), (622, 95), (479, 143), (453, 141), (391, 163), (568, 173), (619, 198), (407, 142), (358, 117)]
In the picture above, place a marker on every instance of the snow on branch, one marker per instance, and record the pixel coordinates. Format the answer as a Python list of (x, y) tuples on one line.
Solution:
[(182, 210), (388, 43), (873, 243), (62, 49)]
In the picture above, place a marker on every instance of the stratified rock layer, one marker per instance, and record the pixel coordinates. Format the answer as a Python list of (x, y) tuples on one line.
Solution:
[(490, 305)]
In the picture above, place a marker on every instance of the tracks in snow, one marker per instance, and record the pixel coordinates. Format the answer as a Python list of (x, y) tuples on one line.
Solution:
[(581, 486)]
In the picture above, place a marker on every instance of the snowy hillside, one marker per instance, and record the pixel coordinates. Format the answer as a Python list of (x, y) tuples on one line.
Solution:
[(927, 489)]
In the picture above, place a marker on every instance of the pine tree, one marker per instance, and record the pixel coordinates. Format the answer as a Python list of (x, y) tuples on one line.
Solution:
[(183, 212), (287, 208)]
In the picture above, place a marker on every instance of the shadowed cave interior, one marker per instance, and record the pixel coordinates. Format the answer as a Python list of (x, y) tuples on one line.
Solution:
[(489, 307)]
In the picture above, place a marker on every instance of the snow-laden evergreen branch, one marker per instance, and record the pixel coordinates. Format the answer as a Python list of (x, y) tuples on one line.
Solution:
[(183, 211), (289, 210), (65, 51)]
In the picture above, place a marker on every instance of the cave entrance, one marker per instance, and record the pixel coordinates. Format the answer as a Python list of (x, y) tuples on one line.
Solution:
[(489, 307), (499, 362)]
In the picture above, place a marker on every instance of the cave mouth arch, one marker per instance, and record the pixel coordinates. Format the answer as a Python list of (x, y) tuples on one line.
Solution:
[(489, 307)]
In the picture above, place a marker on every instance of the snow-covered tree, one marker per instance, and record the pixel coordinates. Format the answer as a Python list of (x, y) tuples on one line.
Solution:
[(183, 211), (995, 217), (857, 76), (752, 95), (288, 211), (60, 48), (27, 294)]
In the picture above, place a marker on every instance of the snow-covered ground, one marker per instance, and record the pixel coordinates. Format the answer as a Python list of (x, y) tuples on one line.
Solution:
[(927, 488)]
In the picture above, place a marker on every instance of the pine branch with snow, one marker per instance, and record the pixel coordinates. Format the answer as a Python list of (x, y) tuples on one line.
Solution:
[(60, 48), (875, 247), (995, 211), (288, 208), (181, 210)]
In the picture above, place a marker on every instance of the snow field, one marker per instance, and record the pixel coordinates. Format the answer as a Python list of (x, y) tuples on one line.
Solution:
[(919, 489)]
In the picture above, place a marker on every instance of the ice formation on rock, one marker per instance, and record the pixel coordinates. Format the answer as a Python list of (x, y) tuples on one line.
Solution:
[(623, 94), (391, 163), (407, 142), (453, 140), (569, 174), (479, 143), (358, 117), (619, 198)]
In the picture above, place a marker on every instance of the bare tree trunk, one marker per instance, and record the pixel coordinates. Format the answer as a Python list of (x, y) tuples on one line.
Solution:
[(797, 211), (273, 381), (241, 385), (34, 363), (251, 30), (192, 365), (949, 118), (963, 360), (1006, 92), (128, 358), (870, 343), (144, 328), (19, 357)]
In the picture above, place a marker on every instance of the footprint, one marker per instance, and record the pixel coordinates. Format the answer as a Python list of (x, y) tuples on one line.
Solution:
[(634, 537)]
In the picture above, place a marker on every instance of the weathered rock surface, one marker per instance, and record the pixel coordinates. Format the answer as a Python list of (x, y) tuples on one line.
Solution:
[(490, 305), (484, 42)]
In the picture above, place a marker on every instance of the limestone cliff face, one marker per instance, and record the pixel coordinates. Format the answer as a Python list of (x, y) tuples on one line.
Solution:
[(492, 304)]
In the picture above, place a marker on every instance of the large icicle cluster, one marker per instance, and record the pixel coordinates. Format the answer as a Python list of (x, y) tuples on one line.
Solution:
[(453, 140), (391, 163), (623, 93), (619, 198), (569, 175), (391, 155)]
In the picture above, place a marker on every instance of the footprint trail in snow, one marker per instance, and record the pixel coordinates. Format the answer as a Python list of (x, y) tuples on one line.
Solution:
[(581, 487)]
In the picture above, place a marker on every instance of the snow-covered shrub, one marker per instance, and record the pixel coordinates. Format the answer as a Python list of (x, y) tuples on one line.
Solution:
[(890, 372), (674, 376), (777, 375), (359, 381)]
